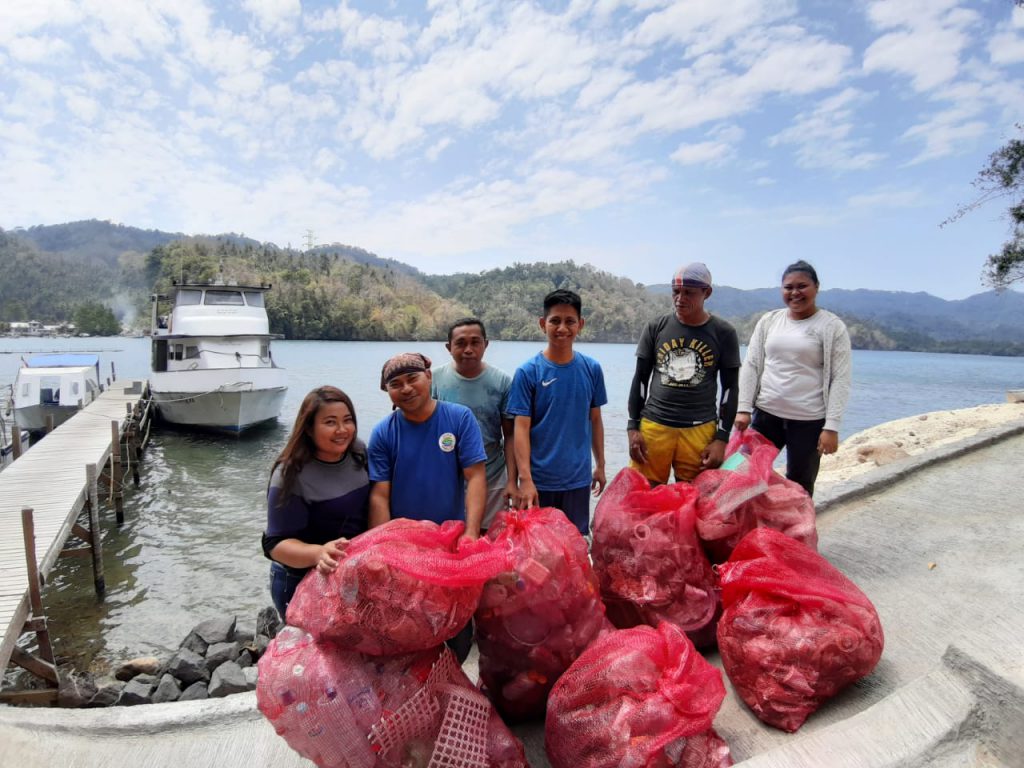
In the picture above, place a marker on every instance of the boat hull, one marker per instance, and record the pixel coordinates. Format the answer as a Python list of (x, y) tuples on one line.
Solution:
[(33, 417), (229, 400)]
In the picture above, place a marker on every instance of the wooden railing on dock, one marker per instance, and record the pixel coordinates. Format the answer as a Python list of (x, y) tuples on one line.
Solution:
[(42, 495)]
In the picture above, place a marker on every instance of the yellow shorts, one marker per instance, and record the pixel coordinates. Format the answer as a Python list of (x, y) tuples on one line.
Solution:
[(673, 448)]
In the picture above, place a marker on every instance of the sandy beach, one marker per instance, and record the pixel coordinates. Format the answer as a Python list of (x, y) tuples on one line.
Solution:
[(895, 440)]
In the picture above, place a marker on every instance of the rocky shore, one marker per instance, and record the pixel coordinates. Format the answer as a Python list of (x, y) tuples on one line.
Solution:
[(215, 659)]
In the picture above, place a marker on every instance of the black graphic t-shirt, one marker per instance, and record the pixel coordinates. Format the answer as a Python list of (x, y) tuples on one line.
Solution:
[(684, 383)]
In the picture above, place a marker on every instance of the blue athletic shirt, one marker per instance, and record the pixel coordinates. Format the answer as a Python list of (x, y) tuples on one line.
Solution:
[(558, 399), (424, 462)]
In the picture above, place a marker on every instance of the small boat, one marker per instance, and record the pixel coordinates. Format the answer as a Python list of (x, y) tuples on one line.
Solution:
[(54, 385), (211, 366)]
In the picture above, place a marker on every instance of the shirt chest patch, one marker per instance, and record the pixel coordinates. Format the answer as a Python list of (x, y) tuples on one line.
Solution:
[(446, 442)]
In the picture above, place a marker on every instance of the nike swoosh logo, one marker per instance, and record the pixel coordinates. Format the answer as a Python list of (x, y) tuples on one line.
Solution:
[(549, 382)]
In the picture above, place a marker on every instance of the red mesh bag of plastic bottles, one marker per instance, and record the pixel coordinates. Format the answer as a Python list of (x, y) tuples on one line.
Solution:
[(535, 619), (343, 709), (637, 697), (746, 493), (794, 630), (649, 562), (405, 586)]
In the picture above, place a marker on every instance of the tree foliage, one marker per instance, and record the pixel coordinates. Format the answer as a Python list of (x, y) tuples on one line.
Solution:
[(1003, 178), (96, 319)]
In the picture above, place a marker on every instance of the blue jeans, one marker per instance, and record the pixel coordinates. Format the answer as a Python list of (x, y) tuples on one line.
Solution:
[(282, 586)]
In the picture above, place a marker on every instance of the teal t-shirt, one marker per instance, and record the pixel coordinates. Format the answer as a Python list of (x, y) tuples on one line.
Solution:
[(487, 397)]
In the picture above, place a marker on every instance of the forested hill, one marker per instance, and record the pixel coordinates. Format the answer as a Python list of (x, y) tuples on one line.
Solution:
[(345, 292)]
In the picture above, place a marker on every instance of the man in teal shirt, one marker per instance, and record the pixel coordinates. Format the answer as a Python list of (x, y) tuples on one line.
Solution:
[(483, 389)]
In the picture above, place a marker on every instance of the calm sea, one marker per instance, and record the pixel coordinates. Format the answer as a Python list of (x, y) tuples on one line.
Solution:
[(190, 546)]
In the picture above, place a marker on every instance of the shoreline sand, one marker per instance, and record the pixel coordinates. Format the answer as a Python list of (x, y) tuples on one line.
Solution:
[(894, 440)]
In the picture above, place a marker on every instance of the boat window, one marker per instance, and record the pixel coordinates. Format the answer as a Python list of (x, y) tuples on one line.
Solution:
[(254, 298), (186, 298), (224, 297), (179, 352), (25, 388), (264, 349), (74, 387), (191, 352)]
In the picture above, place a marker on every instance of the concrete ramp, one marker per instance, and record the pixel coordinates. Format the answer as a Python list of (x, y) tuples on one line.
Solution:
[(935, 542)]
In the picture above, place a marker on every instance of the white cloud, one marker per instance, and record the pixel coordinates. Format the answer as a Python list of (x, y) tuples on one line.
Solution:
[(1007, 45), (274, 16), (824, 137), (29, 49), (704, 152), (945, 133), (925, 41)]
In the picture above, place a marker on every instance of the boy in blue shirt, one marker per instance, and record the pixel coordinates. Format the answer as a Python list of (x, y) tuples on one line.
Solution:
[(556, 400)]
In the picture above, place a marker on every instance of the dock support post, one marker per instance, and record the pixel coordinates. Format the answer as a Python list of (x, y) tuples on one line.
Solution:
[(115, 470), (131, 444), (15, 442), (113, 373), (95, 537), (44, 667), (49, 423)]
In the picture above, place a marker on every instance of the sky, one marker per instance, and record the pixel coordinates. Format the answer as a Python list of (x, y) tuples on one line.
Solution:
[(464, 135)]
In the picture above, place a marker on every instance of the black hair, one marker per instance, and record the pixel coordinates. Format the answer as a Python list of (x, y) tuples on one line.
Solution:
[(563, 296), (801, 266), (467, 321)]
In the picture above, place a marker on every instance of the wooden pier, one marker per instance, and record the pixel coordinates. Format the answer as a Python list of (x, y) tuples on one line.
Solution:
[(42, 495)]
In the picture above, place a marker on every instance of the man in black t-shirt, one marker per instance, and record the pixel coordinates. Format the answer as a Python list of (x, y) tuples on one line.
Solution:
[(675, 425)]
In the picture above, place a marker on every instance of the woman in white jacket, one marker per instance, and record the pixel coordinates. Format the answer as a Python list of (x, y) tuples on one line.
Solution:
[(795, 380)]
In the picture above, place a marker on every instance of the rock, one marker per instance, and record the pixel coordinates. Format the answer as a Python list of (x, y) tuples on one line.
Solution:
[(135, 693), (167, 690), (218, 653), (880, 453), (260, 645), (145, 679), (244, 636), (189, 667), (194, 692), (143, 664), (268, 622), (195, 643), (228, 678), (107, 692), (76, 690), (251, 678), (217, 630), (244, 659)]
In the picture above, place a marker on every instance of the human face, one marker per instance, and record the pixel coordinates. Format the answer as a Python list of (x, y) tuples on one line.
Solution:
[(799, 293), (467, 349), (410, 392), (333, 431), (561, 325), (688, 301)]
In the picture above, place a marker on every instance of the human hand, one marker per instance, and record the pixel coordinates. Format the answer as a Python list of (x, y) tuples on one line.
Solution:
[(637, 446), (511, 494), (599, 481), (828, 441), (528, 496), (742, 421), (330, 554), (713, 455)]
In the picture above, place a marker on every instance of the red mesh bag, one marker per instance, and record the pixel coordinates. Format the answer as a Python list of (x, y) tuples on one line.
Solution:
[(342, 709), (637, 697), (648, 559), (535, 620), (751, 494), (405, 586), (794, 630)]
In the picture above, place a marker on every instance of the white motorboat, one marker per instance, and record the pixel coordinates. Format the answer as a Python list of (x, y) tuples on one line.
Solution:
[(54, 385), (212, 366)]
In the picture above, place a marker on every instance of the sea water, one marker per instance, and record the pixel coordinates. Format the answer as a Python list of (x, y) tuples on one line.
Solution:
[(190, 545)]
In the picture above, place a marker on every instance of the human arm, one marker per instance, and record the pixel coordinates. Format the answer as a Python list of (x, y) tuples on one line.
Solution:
[(597, 446), (380, 503), (299, 554), (635, 405), (476, 498), (527, 490), (509, 449), (714, 453), (837, 392), (750, 373)]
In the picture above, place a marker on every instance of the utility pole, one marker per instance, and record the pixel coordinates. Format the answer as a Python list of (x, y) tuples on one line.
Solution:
[(310, 240)]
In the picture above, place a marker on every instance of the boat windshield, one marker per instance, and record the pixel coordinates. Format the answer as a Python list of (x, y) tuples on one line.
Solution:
[(224, 297), (188, 298), (254, 298)]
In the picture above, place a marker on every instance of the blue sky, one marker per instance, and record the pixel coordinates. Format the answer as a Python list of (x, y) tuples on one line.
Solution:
[(461, 135)]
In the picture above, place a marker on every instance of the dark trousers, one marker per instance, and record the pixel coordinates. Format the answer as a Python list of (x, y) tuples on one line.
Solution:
[(800, 439), (574, 503)]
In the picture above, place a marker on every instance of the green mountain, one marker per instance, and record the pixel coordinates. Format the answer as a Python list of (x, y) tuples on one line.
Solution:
[(345, 292)]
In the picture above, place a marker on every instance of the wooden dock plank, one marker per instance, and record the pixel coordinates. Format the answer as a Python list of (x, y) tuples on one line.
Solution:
[(50, 478)]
